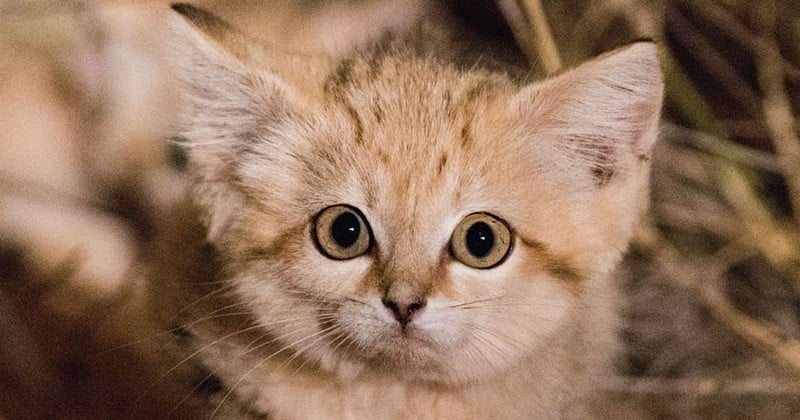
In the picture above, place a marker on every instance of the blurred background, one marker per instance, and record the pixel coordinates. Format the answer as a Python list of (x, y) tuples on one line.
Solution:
[(712, 317)]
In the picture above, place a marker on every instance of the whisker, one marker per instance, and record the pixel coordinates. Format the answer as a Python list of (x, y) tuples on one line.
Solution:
[(297, 353), (349, 299), (316, 341), (250, 348), (511, 305), (189, 357), (503, 311), (326, 317), (259, 364), (208, 295), (201, 282), (189, 394), (215, 311), (247, 350), (341, 338), (167, 332), (477, 301), (491, 344), (481, 353), (192, 144)]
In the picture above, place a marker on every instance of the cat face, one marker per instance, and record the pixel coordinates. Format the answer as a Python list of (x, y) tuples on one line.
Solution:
[(394, 215)]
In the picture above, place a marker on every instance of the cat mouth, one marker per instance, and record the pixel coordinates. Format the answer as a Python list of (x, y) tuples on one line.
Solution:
[(407, 357), (409, 337), (407, 346), (381, 341)]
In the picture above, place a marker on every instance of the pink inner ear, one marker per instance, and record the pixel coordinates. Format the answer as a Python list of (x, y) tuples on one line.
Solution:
[(600, 116), (647, 115)]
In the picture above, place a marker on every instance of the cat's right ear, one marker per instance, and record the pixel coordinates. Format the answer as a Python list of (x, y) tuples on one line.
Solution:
[(230, 97), (211, 27), (228, 89)]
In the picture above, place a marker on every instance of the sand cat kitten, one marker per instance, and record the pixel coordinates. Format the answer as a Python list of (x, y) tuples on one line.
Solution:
[(408, 231)]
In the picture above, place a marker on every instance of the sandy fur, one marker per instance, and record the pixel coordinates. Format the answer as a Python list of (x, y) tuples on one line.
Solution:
[(416, 141)]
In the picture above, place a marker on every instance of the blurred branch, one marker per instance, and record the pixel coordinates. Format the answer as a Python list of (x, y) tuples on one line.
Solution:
[(724, 21), (529, 24), (701, 387), (749, 128), (777, 242), (706, 279), (689, 100), (712, 144), (715, 64), (546, 45), (696, 220), (758, 334), (598, 16), (593, 21), (779, 119)]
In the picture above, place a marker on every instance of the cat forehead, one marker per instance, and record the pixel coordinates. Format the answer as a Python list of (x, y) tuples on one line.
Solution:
[(408, 106), (415, 81), (393, 132), (419, 135)]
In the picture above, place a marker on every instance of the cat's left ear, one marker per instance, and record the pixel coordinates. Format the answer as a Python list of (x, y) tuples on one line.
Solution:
[(599, 119)]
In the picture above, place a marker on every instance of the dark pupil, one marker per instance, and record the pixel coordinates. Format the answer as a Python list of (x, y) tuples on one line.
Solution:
[(480, 239), (346, 229)]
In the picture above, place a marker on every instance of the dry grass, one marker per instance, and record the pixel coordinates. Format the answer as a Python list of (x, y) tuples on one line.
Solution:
[(723, 236)]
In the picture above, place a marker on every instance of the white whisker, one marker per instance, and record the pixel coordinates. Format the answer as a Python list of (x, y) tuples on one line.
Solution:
[(189, 357), (167, 332), (189, 394), (259, 364), (477, 301)]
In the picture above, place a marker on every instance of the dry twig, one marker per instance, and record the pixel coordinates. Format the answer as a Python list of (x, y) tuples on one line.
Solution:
[(706, 280), (779, 119), (755, 332), (724, 21), (714, 62), (701, 387), (530, 27)]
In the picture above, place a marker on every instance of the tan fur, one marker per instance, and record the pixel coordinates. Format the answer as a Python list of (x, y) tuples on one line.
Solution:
[(416, 142)]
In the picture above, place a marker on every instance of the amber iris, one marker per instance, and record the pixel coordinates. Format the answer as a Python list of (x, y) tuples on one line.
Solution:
[(481, 240), (341, 232)]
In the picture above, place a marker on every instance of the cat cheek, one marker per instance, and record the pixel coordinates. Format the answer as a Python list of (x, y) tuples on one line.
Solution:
[(364, 319), (445, 327), (471, 283), (328, 277)]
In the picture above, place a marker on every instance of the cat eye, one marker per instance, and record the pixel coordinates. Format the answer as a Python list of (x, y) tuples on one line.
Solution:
[(341, 232), (481, 240)]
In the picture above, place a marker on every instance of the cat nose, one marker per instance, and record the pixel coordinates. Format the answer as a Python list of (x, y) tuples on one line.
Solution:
[(403, 311)]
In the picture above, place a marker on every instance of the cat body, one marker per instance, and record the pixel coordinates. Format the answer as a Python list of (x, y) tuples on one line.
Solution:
[(427, 146)]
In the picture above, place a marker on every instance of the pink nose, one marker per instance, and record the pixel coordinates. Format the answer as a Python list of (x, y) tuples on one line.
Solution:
[(403, 311)]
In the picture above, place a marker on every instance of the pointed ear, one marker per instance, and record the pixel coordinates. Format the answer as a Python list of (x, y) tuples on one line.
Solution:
[(231, 98), (214, 29), (599, 119), (235, 85), (229, 91)]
